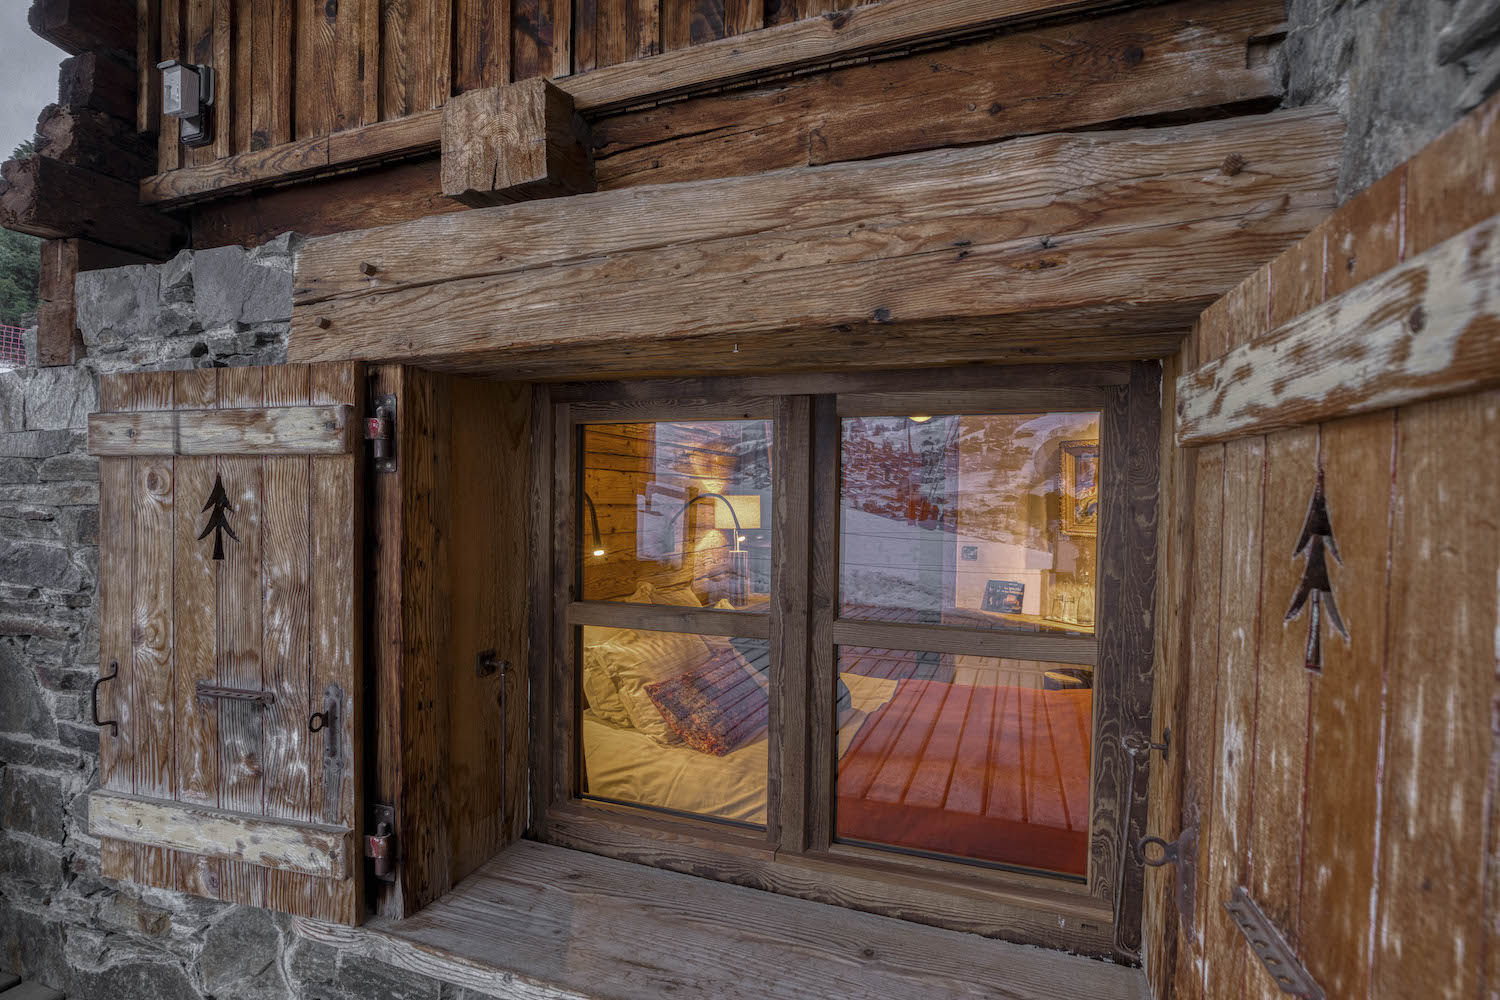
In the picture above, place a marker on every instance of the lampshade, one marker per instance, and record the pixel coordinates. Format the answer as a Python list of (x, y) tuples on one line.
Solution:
[(746, 508)]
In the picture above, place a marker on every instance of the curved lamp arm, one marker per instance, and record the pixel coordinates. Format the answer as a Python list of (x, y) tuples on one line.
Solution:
[(594, 524), (666, 531)]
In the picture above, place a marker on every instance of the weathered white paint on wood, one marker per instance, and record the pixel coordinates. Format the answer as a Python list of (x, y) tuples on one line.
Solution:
[(1427, 328), (545, 923), (307, 848), (273, 430)]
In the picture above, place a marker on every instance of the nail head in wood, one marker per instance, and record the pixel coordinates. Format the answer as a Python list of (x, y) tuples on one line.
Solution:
[(322, 322), (1232, 165), (368, 269)]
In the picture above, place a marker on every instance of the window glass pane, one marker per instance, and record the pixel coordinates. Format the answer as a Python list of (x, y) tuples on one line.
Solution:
[(965, 757), (677, 513), (676, 721), (987, 521)]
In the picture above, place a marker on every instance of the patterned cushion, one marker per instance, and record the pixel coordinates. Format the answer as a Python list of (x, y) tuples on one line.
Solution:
[(715, 707)]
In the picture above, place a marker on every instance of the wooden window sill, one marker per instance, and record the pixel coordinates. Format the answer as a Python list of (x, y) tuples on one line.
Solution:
[(548, 922)]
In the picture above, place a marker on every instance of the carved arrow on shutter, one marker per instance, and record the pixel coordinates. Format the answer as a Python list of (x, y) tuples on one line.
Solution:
[(218, 523)]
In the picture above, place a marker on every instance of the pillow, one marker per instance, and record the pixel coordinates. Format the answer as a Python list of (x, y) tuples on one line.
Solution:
[(598, 687), (715, 707), (635, 658)]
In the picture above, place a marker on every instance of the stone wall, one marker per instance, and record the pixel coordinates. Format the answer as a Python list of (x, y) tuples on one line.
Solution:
[(1401, 70), (60, 923)]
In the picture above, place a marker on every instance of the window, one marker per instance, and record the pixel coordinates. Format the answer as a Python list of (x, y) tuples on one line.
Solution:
[(863, 631)]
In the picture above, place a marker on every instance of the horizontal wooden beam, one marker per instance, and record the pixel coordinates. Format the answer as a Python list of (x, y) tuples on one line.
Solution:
[(1429, 327), (512, 143), (307, 848), (1132, 64), (797, 45), (55, 200), (705, 621), (1001, 643), (274, 430), (1037, 248), (1029, 399), (84, 25)]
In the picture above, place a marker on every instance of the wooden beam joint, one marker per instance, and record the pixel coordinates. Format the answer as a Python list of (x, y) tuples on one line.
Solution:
[(514, 143)]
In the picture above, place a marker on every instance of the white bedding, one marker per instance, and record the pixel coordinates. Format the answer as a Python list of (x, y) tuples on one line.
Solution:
[(627, 765)]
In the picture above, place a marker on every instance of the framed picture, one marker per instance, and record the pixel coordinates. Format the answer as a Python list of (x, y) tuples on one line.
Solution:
[(1005, 596), (1080, 488)]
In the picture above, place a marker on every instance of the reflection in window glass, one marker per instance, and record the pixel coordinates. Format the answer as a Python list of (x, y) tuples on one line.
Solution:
[(676, 722), (965, 757), (987, 521), (677, 513)]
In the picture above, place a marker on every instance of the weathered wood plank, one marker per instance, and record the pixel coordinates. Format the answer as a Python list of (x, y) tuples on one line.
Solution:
[(514, 142), (481, 44), (542, 890), (83, 25), (1441, 640), (878, 26), (286, 642), (316, 27), (55, 200), (925, 255), (308, 848), (800, 44), (1128, 65), (276, 430), (153, 505), (1239, 629), (116, 539), (1427, 328), (789, 802), (335, 627)]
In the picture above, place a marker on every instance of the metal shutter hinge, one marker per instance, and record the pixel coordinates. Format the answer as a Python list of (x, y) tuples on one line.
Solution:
[(380, 846), (380, 431), (1270, 947)]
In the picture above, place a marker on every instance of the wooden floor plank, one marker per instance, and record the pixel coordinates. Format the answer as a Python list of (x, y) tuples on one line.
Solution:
[(581, 925)]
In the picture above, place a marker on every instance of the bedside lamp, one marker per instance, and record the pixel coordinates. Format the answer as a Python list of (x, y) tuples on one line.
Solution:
[(594, 525), (740, 512)]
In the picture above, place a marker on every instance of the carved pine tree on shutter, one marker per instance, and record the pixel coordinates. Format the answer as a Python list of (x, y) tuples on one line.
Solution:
[(233, 770)]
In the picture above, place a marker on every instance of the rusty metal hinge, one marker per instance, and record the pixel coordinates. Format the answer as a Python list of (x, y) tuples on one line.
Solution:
[(380, 431), (380, 846), (1181, 853), (1270, 947)]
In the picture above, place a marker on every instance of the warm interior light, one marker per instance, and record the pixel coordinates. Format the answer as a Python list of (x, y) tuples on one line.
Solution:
[(919, 420), (746, 510), (598, 552)]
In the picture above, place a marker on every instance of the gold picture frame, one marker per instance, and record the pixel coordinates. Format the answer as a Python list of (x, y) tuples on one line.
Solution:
[(1080, 488)]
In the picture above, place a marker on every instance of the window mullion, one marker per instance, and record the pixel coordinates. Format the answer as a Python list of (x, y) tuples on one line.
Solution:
[(821, 611), (786, 815)]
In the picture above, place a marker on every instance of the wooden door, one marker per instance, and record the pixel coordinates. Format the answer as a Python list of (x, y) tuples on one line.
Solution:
[(230, 626)]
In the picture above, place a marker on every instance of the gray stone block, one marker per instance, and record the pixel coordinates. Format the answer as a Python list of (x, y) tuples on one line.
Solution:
[(60, 399), (31, 802), (50, 495), (23, 710), (18, 470), (12, 400), (38, 564), (230, 287), (74, 467), (35, 443), (239, 956)]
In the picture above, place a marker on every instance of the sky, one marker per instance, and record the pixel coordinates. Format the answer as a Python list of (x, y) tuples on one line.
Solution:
[(28, 76)]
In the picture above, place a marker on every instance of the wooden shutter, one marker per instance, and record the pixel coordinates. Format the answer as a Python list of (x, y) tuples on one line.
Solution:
[(212, 781)]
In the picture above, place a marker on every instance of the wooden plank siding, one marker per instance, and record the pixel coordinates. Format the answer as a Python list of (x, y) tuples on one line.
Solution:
[(261, 619), (611, 56), (1354, 799)]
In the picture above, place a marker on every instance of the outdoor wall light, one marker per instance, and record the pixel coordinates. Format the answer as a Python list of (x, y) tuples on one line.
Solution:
[(187, 94)]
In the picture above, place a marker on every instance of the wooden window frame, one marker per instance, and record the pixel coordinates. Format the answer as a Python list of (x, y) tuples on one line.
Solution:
[(797, 853)]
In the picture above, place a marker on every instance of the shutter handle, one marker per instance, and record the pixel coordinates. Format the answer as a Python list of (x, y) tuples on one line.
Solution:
[(114, 727)]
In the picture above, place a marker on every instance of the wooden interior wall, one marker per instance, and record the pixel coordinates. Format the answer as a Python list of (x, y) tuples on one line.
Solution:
[(292, 69), (623, 462), (1356, 802)]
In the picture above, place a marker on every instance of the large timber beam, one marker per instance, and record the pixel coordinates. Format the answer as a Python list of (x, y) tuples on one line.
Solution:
[(513, 143), (57, 200), (1099, 245)]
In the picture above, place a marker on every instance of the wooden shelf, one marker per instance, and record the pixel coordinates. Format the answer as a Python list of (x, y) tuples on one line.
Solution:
[(542, 920)]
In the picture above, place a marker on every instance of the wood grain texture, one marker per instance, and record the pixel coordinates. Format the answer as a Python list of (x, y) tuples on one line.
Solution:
[(279, 430), (308, 849), (55, 200), (1427, 328), (481, 44), (413, 62), (512, 143), (1064, 76), (891, 277), (552, 955), (791, 801)]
